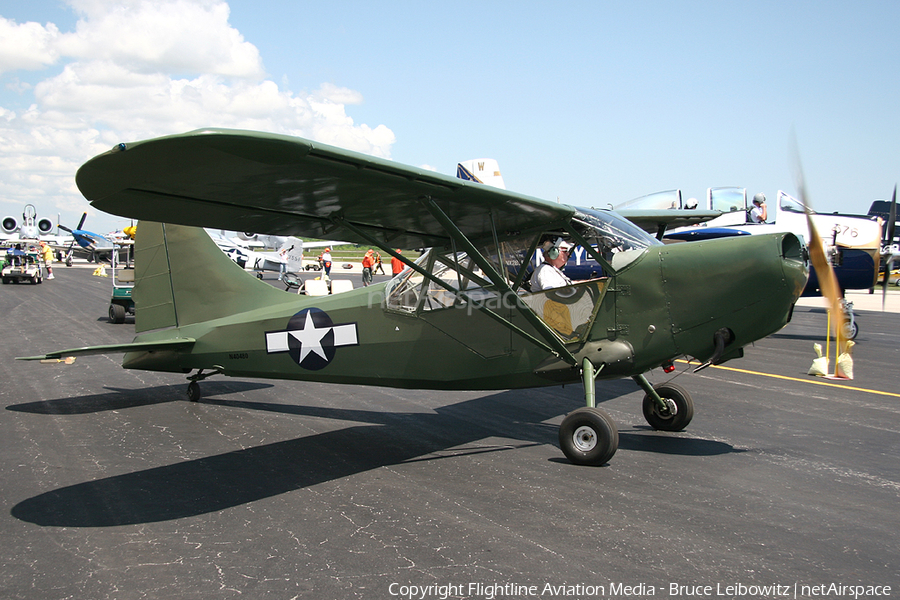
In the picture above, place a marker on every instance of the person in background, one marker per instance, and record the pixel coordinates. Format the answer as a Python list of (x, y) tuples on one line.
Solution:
[(47, 254), (758, 213), (396, 264), (326, 262), (368, 263)]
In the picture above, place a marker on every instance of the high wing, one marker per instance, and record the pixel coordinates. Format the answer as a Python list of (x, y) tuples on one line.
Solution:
[(274, 184)]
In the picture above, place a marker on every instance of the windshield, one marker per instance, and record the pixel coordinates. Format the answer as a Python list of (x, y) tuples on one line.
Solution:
[(666, 200), (617, 240), (790, 204), (727, 199)]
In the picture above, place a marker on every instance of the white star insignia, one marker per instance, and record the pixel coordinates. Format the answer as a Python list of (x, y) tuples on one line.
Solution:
[(310, 338)]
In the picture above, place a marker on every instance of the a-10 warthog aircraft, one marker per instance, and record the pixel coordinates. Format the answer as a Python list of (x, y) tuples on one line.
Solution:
[(465, 315)]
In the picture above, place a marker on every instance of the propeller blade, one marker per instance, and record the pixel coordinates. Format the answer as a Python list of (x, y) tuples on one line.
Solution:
[(81, 222), (64, 228), (824, 271), (889, 242)]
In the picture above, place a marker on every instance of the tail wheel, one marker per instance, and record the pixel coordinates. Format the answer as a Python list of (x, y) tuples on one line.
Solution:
[(588, 436), (678, 412)]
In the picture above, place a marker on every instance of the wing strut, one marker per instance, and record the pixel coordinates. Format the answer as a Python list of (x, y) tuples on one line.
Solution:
[(459, 293), (549, 336)]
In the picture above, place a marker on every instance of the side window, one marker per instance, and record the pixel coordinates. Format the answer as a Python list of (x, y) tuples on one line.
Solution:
[(404, 295), (413, 292)]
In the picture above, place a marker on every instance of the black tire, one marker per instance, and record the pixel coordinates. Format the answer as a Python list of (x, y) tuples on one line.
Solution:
[(678, 399), (588, 436), (193, 391), (116, 314)]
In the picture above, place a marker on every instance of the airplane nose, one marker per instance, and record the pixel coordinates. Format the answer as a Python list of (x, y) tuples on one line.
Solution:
[(746, 284), (795, 261)]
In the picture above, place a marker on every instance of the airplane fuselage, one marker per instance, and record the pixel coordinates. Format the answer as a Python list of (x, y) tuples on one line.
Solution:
[(660, 307)]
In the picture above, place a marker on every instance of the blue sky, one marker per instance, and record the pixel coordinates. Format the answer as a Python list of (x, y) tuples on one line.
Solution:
[(589, 102)]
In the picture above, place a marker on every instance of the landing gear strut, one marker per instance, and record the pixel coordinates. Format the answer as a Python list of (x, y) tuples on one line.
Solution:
[(667, 406), (193, 388)]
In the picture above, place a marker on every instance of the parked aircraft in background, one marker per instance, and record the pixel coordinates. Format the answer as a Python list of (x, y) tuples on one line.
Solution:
[(288, 258), (890, 245), (481, 170), (255, 241), (458, 318), (29, 228), (94, 247), (890, 249), (852, 244)]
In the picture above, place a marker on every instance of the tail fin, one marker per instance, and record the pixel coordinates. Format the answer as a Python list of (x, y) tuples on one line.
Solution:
[(482, 170), (181, 277)]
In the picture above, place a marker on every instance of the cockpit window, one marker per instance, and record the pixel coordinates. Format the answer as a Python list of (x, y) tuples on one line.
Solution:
[(727, 199), (669, 199), (618, 242), (790, 204)]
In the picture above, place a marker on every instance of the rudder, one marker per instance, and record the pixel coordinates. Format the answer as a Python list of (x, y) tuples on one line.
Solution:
[(182, 277)]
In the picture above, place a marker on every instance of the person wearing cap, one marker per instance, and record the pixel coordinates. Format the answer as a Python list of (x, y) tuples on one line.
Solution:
[(47, 255), (326, 262), (758, 213), (549, 274)]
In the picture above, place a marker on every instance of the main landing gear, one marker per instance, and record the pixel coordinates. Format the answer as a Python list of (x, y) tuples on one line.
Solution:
[(588, 435), (193, 388)]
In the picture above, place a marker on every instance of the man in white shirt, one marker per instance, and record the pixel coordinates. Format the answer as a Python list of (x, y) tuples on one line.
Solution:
[(758, 213), (326, 262), (549, 274)]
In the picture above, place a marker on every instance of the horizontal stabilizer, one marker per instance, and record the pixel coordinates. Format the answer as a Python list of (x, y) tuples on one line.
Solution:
[(173, 344)]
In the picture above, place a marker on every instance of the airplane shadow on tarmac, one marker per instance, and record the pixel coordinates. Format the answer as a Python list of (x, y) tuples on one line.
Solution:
[(119, 399), (215, 483)]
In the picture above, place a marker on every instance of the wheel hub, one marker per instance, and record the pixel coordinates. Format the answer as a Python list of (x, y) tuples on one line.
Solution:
[(671, 409), (585, 438)]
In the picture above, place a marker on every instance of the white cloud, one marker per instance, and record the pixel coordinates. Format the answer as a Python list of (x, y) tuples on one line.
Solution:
[(175, 36), (27, 46), (136, 69)]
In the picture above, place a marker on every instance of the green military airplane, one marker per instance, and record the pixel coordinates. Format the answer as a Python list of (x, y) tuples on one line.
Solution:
[(463, 316)]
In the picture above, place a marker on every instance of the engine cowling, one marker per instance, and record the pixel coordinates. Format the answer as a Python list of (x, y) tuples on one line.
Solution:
[(10, 225)]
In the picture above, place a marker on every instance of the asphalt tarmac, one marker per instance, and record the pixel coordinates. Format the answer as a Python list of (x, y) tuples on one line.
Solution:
[(115, 486)]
